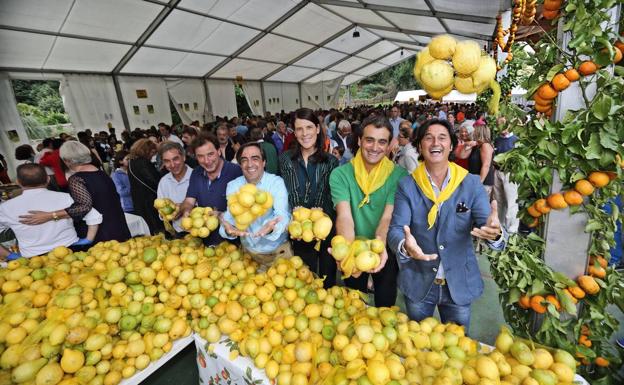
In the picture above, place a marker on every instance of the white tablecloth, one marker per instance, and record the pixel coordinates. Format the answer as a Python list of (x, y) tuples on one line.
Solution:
[(137, 225)]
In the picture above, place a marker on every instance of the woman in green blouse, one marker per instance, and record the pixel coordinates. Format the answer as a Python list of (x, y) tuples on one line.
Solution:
[(305, 168)]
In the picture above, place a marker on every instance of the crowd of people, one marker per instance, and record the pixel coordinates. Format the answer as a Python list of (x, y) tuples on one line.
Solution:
[(419, 177)]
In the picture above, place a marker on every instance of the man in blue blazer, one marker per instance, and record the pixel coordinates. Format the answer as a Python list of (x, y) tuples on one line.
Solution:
[(437, 211)]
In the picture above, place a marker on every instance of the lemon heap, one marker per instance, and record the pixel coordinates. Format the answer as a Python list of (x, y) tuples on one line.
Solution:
[(446, 64), (248, 204), (361, 255), (100, 316), (200, 222), (166, 208), (309, 224)]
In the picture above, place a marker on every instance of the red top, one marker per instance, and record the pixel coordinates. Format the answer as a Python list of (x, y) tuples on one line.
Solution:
[(52, 159)]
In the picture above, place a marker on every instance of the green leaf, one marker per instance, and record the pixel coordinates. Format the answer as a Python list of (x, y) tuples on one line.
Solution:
[(601, 107), (554, 70), (609, 139), (593, 148)]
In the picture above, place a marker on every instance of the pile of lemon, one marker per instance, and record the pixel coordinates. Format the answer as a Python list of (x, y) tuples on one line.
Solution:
[(99, 316), (200, 222), (248, 204), (166, 208), (361, 255), (309, 224)]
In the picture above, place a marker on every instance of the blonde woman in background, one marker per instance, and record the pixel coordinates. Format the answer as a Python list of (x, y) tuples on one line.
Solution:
[(480, 161)]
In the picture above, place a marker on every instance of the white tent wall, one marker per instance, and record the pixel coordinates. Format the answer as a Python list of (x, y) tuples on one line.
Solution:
[(222, 98), (10, 121), (189, 98), (290, 97), (253, 94), (312, 94), (91, 102), (273, 96), (142, 92), (331, 90)]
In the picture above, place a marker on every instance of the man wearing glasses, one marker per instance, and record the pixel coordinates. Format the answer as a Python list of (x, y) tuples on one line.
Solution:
[(266, 238)]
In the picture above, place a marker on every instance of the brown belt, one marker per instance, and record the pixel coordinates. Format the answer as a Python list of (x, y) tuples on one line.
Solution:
[(440, 281)]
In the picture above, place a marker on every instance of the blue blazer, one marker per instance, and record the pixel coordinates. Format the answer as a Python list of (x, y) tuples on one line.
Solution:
[(449, 238)]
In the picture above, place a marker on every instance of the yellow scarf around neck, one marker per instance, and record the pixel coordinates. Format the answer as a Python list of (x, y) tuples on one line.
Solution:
[(370, 182), (458, 174)]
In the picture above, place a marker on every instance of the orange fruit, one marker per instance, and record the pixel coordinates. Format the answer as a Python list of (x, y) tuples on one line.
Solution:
[(576, 292), (536, 304), (556, 201), (542, 108), (588, 284), (584, 187), (549, 15), (545, 91), (601, 261), (539, 100), (534, 223), (552, 299), (583, 340), (541, 205), (618, 55), (599, 179), (533, 212), (572, 75), (569, 294), (601, 361), (524, 301), (573, 198), (560, 82), (619, 45), (587, 68), (597, 271), (552, 5)]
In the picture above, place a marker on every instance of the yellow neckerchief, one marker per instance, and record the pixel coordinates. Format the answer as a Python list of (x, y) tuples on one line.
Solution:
[(420, 176), (370, 182)]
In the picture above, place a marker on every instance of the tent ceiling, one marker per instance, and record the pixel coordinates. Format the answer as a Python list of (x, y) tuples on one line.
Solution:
[(276, 40)]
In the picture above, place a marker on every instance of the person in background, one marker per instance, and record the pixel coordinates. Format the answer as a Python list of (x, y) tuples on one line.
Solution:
[(407, 156), (344, 138), (87, 140), (464, 145), (52, 160), (227, 148), (90, 188), (167, 134), (144, 179), (481, 159), (174, 184), (39, 239), (4, 176), (266, 237), (363, 195), (432, 228), (237, 138), (338, 152), (505, 191), (122, 183), (209, 180), (279, 137), (451, 120), (189, 133), (306, 169), (24, 154), (269, 151)]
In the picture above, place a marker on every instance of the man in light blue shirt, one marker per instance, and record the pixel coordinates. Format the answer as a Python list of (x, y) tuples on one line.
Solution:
[(266, 237)]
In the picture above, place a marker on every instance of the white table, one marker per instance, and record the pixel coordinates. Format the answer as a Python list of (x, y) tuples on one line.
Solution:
[(137, 225)]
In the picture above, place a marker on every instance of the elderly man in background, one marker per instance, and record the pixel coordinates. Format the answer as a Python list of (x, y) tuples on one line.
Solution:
[(39, 239)]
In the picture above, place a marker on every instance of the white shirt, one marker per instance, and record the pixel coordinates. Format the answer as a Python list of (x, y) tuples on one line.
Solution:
[(169, 187), (39, 239), (40, 155)]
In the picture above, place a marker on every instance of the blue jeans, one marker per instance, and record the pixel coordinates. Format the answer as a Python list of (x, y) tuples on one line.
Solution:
[(439, 296)]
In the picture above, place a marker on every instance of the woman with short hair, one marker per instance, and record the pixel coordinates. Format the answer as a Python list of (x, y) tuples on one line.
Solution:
[(305, 168), (144, 180), (90, 188)]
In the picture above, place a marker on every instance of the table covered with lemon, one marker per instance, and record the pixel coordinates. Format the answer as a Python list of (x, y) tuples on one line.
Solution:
[(113, 312)]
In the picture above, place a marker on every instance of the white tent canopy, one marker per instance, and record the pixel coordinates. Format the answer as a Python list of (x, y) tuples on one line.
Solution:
[(409, 96), (457, 97)]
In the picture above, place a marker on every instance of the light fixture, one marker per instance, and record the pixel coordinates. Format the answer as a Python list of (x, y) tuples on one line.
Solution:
[(356, 33), (401, 52)]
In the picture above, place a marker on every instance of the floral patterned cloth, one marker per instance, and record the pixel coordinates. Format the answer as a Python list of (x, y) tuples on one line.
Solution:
[(217, 365)]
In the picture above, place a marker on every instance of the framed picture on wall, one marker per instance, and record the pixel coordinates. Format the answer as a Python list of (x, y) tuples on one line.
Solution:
[(195, 106), (136, 110), (141, 94), (187, 107), (150, 109)]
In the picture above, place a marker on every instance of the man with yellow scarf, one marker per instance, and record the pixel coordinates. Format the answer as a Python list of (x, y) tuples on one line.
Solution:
[(437, 211), (363, 193)]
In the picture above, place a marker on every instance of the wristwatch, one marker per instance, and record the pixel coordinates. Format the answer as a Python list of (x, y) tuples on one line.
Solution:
[(54, 216)]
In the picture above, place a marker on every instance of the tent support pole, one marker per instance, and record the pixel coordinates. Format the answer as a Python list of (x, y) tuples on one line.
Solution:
[(262, 97), (122, 107)]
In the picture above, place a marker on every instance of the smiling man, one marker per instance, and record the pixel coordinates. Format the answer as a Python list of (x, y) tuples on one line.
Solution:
[(437, 211), (175, 183), (266, 237), (363, 194)]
